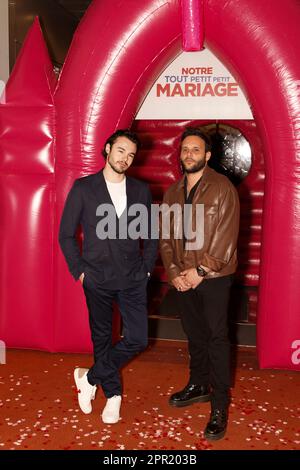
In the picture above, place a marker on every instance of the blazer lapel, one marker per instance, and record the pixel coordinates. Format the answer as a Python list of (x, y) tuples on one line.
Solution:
[(131, 196), (101, 193), (99, 189)]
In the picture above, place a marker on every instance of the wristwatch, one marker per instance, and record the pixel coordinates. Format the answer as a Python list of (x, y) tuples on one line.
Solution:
[(201, 272)]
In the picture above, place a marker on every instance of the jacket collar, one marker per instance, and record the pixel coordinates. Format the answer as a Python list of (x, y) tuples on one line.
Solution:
[(102, 194), (207, 178)]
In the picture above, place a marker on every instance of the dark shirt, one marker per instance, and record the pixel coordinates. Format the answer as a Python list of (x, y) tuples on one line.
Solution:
[(188, 199)]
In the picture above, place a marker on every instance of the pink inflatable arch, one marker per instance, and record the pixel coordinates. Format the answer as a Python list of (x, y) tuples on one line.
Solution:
[(112, 63)]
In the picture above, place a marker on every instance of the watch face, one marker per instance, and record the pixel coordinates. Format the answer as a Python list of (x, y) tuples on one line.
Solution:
[(201, 271)]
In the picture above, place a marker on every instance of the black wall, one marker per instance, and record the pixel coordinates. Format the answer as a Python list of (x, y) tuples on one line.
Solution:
[(59, 20)]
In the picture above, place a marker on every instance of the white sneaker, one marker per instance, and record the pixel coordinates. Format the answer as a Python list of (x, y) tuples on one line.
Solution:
[(111, 412), (86, 391)]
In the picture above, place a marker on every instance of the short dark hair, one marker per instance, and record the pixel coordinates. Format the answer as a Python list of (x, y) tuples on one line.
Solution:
[(121, 133), (198, 133)]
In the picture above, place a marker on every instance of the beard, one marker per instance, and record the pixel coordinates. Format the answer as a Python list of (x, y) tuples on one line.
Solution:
[(120, 170), (198, 166)]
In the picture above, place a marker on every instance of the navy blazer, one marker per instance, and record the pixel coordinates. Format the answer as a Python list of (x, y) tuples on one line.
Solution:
[(112, 263)]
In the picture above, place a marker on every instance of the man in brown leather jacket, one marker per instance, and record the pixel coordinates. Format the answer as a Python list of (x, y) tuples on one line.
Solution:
[(203, 276)]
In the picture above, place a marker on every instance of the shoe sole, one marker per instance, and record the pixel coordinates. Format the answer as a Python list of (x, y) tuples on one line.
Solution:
[(110, 422), (211, 437), (75, 379), (181, 404)]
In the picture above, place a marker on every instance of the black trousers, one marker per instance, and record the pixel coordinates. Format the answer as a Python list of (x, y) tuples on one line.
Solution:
[(110, 358), (203, 314)]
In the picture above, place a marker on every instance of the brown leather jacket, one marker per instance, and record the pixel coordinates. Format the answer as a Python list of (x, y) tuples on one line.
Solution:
[(221, 226)]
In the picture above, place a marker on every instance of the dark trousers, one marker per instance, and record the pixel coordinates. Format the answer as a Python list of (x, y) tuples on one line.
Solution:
[(110, 358), (203, 314)]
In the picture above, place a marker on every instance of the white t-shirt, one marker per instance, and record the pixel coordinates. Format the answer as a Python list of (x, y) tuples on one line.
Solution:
[(118, 195)]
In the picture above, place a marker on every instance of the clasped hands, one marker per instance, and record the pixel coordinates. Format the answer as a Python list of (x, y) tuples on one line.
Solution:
[(188, 279)]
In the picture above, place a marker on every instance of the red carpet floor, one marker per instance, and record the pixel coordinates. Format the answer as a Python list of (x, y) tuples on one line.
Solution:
[(39, 410)]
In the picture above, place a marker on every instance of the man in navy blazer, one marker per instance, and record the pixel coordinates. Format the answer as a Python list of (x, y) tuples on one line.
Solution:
[(112, 265)]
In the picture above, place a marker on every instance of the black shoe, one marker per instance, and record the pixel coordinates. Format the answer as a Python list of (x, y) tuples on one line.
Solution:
[(216, 427), (189, 395)]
